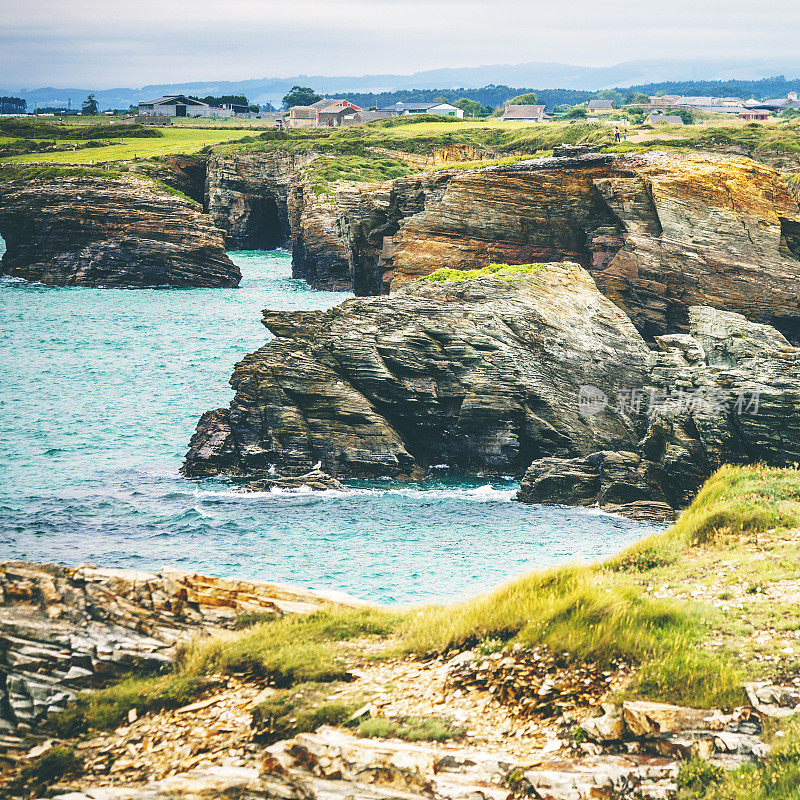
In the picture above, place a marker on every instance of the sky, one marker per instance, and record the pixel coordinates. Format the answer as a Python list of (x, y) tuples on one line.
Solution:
[(108, 43)]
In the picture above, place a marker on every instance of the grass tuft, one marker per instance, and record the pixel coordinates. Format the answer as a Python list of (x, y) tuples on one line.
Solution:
[(740, 501), (410, 729), (50, 767), (301, 709), (109, 707)]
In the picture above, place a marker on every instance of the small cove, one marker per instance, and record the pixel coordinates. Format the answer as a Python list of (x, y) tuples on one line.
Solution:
[(100, 393)]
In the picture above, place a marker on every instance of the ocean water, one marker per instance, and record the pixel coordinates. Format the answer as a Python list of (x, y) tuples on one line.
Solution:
[(100, 391)]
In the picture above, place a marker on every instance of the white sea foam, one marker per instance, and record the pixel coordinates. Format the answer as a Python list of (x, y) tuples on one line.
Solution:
[(486, 493)]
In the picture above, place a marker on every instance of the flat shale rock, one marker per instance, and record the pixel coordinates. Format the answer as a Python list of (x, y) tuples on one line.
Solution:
[(98, 232), (64, 629), (316, 481), (482, 375)]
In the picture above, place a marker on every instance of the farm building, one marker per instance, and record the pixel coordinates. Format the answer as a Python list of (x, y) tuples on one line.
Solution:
[(664, 119), (754, 114), (601, 107), (522, 113), (327, 113), (178, 105)]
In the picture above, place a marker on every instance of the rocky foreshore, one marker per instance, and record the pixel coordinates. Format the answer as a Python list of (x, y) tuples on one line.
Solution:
[(65, 629), (522, 722)]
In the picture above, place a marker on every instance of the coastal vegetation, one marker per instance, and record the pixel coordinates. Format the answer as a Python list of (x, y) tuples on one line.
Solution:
[(326, 171), (494, 270), (604, 613), (126, 148)]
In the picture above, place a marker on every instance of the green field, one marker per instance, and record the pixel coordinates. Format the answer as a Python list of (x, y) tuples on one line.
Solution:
[(174, 140)]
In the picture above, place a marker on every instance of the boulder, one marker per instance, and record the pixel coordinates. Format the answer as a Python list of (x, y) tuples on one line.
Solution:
[(617, 482), (607, 728), (316, 480), (774, 701), (483, 375), (102, 232), (643, 718)]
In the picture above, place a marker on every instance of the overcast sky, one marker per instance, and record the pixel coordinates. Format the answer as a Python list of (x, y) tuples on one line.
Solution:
[(108, 43)]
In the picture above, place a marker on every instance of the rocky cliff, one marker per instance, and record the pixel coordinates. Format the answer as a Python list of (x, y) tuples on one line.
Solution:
[(338, 242), (247, 197), (659, 232), (98, 232), (482, 375), (727, 393)]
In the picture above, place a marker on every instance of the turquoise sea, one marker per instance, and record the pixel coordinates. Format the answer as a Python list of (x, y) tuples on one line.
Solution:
[(100, 391)]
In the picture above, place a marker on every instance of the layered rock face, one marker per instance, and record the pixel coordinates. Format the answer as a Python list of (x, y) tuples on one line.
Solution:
[(97, 232), (247, 197), (659, 232), (338, 243), (63, 630), (700, 229), (727, 393), (622, 483), (187, 174), (482, 375)]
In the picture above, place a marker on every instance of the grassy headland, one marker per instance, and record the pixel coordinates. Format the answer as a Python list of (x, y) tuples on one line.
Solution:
[(696, 610), (679, 605)]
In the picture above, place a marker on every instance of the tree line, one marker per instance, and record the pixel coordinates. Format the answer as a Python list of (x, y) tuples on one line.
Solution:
[(12, 105)]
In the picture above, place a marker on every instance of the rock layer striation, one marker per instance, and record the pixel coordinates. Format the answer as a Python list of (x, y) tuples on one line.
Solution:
[(481, 375), (659, 232), (66, 629), (99, 232)]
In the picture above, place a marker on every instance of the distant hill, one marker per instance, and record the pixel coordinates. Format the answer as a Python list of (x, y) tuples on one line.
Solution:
[(535, 75)]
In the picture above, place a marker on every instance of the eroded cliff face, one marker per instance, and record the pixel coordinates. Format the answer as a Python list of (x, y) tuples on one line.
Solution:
[(247, 197), (729, 393), (481, 375), (98, 232), (338, 241), (659, 232)]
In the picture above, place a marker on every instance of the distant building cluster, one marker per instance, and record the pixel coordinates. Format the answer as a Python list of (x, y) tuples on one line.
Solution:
[(336, 113), (752, 110)]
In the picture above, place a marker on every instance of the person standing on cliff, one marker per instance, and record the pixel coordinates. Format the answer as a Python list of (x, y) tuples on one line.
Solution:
[(616, 133)]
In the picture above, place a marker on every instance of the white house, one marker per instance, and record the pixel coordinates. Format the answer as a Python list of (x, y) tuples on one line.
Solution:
[(440, 109)]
